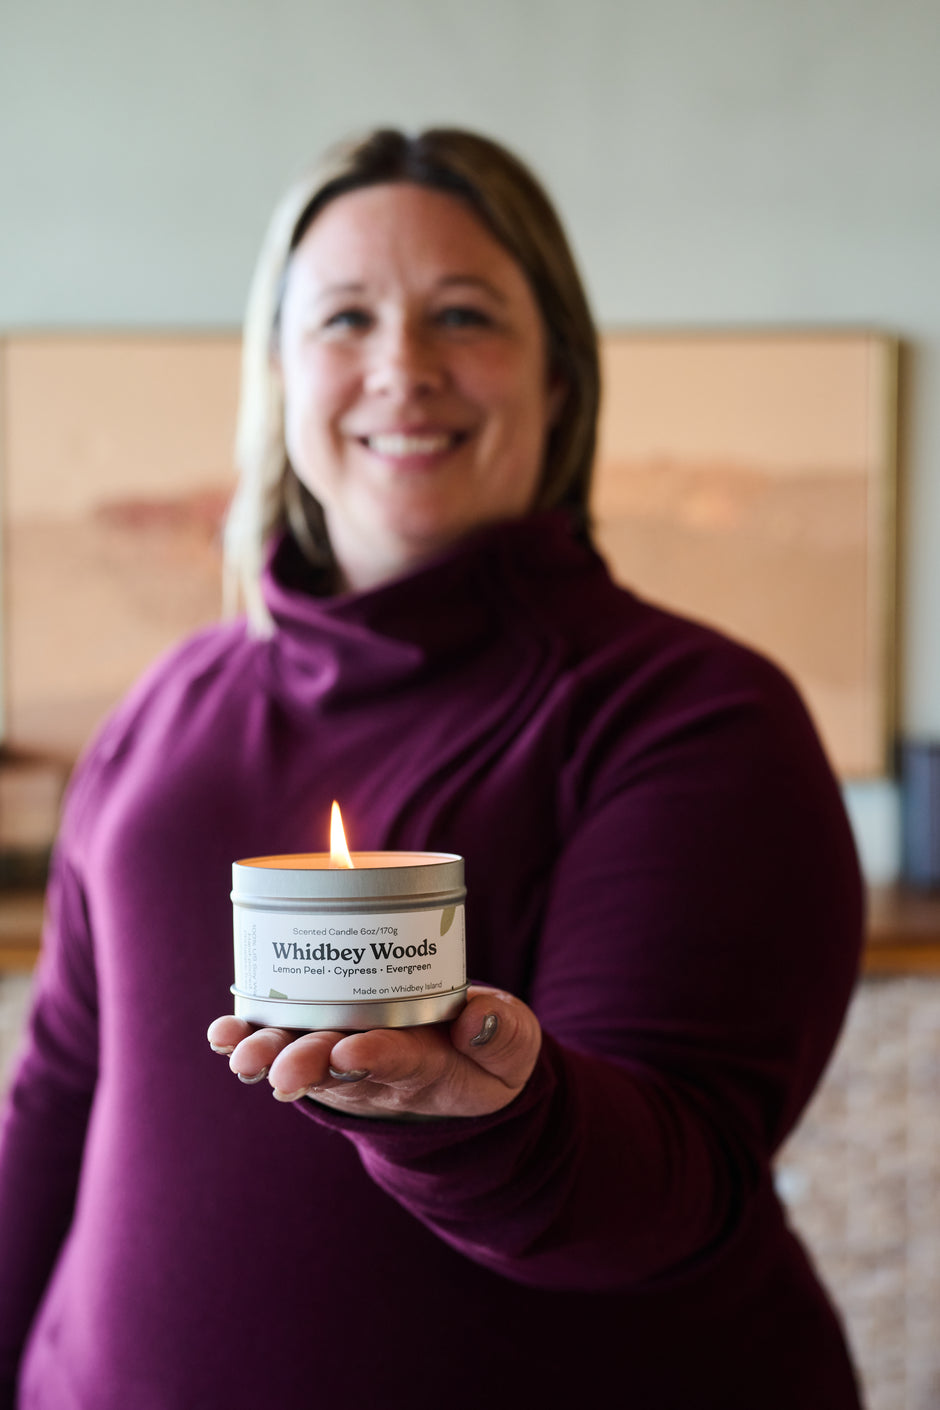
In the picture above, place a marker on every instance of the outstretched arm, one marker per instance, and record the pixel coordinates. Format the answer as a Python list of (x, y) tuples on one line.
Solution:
[(699, 944)]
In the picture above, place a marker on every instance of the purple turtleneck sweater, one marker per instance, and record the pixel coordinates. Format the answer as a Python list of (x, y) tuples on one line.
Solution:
[(657, 861)]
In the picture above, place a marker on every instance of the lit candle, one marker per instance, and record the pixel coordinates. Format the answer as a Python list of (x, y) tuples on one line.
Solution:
[(349, 941)]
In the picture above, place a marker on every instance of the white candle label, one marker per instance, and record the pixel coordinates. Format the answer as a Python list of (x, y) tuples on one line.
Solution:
[(337, 958)]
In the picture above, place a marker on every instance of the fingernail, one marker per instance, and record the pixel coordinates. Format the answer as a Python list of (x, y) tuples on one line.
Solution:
[(289, 1096), (225, 1051), (490, 1025), (355, 1075), (253, 1078)]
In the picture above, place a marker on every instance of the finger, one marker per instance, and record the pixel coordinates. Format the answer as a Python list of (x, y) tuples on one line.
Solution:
[(500, 1034), (251, 1059), (302, 1064), (402, 1073), (406, 1059), (226, 1033)]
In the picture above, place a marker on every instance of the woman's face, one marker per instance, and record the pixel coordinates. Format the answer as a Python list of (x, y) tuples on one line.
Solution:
[(414, 367)]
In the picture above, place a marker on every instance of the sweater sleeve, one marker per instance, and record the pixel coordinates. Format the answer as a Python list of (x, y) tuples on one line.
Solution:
[(43, 1129), (699, 946)]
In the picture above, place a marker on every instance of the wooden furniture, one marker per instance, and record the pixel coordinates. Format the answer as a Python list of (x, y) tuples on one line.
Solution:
[(20, 927), (903, 931)]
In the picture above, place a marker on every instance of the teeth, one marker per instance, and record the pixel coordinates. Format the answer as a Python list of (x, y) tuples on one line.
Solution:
[(395, 443)]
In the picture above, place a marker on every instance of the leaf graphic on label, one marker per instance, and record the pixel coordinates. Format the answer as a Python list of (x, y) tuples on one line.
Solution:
[(276, 994), (447, 918)]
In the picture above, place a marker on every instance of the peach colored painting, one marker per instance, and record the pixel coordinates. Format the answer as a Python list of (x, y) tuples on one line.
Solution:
[(745, 479), (748, 480), (117, 465)]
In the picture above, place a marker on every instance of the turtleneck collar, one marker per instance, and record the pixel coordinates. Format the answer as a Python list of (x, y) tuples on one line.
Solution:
[(448, 609)]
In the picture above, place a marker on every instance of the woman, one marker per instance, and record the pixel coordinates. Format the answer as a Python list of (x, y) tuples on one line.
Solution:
[(569, 1187)]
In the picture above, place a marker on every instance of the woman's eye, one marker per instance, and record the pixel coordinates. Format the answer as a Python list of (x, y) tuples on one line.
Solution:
[(459, 316), (353, 318)]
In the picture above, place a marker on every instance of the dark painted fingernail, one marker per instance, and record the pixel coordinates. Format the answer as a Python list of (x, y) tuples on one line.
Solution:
[(490, 1025), (255, 1077), (356, 1075)]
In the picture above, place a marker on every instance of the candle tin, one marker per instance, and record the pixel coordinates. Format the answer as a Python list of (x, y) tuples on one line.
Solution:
[(377, 946)]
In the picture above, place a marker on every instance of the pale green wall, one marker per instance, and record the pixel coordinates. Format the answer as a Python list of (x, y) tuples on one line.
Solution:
[(721, 162)]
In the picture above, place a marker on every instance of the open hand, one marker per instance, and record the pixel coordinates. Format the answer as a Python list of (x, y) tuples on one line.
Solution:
[(472, 1066)]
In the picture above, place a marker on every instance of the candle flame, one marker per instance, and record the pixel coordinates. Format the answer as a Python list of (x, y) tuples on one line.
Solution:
[(339, 852)]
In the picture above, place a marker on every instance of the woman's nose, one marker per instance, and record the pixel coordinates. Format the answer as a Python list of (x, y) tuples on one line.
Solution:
[(404, 361)]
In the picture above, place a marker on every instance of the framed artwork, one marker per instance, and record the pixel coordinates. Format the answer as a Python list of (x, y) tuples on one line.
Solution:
[(745, 479), (117, 465), (748, 480)]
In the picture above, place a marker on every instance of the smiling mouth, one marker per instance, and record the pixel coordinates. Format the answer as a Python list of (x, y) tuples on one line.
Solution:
[(399, 444)]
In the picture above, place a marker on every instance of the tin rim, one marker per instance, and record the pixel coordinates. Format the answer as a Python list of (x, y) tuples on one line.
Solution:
[(370, 878), (355, 1015)]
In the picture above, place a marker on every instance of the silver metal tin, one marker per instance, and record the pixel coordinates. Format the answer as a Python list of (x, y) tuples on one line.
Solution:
[(378, 946)]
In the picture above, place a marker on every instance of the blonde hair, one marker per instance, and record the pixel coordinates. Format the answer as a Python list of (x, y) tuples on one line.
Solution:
[(511, 203)]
